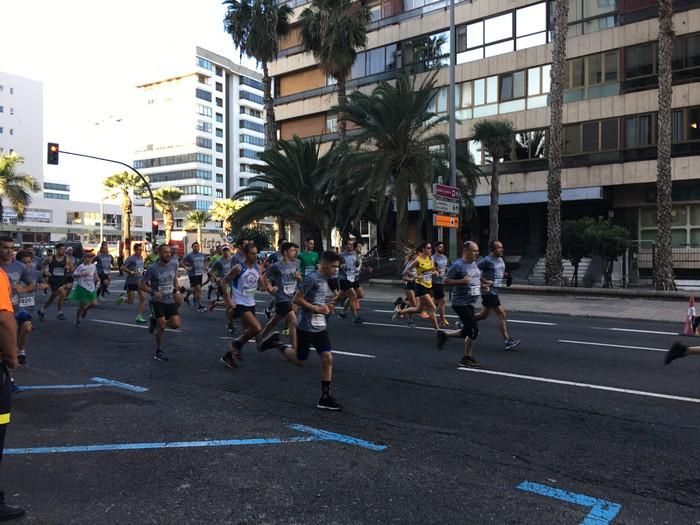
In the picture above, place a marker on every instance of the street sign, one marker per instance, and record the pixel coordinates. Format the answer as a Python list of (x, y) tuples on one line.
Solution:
[(451, 207), (445, 221), (442, 191)]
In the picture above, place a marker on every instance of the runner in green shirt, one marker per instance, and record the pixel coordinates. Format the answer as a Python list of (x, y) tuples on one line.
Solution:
[(308, 258)]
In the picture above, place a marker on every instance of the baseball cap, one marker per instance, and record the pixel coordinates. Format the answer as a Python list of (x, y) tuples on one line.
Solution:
[(225, 247)]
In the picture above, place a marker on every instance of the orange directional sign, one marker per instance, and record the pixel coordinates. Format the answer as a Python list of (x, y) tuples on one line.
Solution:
[(445, 221)]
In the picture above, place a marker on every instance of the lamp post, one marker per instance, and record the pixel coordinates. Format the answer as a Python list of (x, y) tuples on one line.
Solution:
[(453, 121)]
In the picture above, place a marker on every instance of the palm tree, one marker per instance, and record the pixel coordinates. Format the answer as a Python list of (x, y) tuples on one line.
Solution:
[(15, 187), (398, 150), (256, 27), (290, 187), (333, 30), (496, 137), (223, 210), (197, 220), (166, 200), (121, 186), (553, 270), (663, 264)]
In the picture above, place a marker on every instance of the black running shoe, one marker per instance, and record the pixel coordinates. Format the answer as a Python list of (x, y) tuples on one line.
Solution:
[(441, 339), (271, 341), (469, 362), (160, 356), (152, 324), (358, 320), (228, 360), (511, 344), (677, 350), (328, 403), (41, 315), (22, 358)]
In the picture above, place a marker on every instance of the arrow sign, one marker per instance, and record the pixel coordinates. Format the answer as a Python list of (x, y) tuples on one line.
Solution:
[(602, 511), (446, 206), (98, 382)]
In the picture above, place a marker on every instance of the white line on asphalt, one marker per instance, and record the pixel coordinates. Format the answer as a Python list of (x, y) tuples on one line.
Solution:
[(634, 330), (589, 343), (351, 354), (582, 385), (456, 317), (103, 321), (398, 326)]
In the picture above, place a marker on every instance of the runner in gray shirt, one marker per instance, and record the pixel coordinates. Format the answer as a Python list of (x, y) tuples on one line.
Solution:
[(196, 265), (133, 268), (440, 261)]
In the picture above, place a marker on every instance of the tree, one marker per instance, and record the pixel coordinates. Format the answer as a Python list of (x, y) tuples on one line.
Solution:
[(333, 30), (256, 27), (575, 243), (398, 150), (223, 210), (663, 264), (197, 220), (290, 186), (496, 137), (262, 237), (15, 187), (553, 272), (166, 200), (608, 241), (121, 186)]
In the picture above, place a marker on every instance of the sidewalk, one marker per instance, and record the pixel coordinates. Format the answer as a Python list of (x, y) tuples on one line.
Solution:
[(517, 300)]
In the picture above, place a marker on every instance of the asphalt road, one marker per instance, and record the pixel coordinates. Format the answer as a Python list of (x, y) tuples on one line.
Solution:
[(531, 438)]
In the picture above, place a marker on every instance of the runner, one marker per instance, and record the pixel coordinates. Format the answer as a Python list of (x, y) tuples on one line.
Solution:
[(465, 276), (153, 256), (679, 350), (315, 301), (348, 276), (56, 270), (273, 258), (441, 263), (220, 270), (133, 268), (359, 291), (425, 268), (85, 292), (308, 258), (493, 277), (21, 284), (245, 279), (195, 263), (408, 275), (160, 282), (282, 280), (104, 261)]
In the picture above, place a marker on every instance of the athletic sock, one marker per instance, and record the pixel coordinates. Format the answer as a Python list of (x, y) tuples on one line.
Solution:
[(325, 388)]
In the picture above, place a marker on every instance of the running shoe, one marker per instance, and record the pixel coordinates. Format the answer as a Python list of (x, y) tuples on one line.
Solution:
[(441, 338), (677, 350), (328, 403), (22, 358), (425, 315), (469, 362), (358, 320), (228, 360), (230, 328), (341, 315), (268, 311), (120, 299), (459, 325), (41, 315), (201, 308), (187, 300), (160, 356), (152, 324), (77, 323), (60, 316), (234, 348), (141, 319), (397, 312), (445, 323), (510, 343), (271, 341), (410, 323)]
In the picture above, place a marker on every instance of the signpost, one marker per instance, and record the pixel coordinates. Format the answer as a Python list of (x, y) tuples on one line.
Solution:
[(446, 201), (445, 221), (446, 207)]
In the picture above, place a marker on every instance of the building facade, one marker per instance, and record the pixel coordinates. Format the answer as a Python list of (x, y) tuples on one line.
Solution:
[(201, 131), (503, 56)]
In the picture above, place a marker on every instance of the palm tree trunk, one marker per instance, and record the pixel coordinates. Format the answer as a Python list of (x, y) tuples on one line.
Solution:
[(493, 208), (128, 210), (199, 235), (663, 265), (2, 211), (553, 267), (169, 220), (342, 101), (270, 124)]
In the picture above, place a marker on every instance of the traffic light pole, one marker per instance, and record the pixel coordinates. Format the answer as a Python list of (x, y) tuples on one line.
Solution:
[(454, 250), (154, 227)]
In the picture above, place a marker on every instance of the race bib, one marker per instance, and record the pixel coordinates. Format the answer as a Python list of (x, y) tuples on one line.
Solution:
[(308, 271), (289, 289), (59, 271), (249, 291), (427, 277), (166, 289), (26, 302), (14, 298), (318, 321), (498, 283), (350, 275), (475, 289)]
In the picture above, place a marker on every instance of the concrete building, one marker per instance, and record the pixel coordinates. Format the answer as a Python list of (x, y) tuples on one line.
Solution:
[(201, 131), (503, 66)]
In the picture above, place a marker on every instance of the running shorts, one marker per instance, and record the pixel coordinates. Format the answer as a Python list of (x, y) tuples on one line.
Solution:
[(438, 291), (56, 282), (466, 315), (333, 284), (282, 309), (346, 285), (421, 290), (22, 317), (409, 285), (242, 309), (491, 301), (163, 310), (131, 287), (195, 280), (305, 340)]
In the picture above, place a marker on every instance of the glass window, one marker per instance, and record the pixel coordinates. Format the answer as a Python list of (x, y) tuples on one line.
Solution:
[(578, 72), (506, 87), (609, 133), (692, 57), (375, 12), (693, 129), (595, 69), (512, 86), (598, 7), (533, 81), (522, 146), (589, 137), (498, 28), (546, 78), (639, 61), (572, 139), (491, 90), (480, 92), (498, 49), (376, 61), (475, 35), (390, 57), (531, 19), (631, 132), (461, 38), (677, 126), (695, 215), (358, 68), (645, 130), (611, 62), (538, 39), (463, 98), (648, 217)]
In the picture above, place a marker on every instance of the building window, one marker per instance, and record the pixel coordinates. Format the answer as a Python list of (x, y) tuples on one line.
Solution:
[(219, 148), (203, 94), (219, 102), (219, 86), (249, 139), (375, 11), (247, 95), (219, 132), (639, 131), (512, 86), (640, 61), (685, 229), (170, 176), (204, 63), (593, 76), (203, 79), (219, 117), (422, 53), (203, 142), (530, 145), (219, 163), (12, 131), (204, 126), (219, 71), (2, 109), (587, 16), (248, 153), (220, 178), (196, 190), (253, 126), (59, 196), (219, 194), (591, 137), (331, 124), (205, 111), (256, 84)]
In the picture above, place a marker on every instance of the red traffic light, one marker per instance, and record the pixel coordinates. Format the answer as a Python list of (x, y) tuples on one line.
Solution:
[(52, 153)]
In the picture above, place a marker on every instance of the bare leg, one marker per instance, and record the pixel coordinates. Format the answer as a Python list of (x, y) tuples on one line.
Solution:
[(502, 324)]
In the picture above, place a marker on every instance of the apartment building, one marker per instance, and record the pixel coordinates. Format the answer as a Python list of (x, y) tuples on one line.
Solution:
[(201, 131), (503, 65)]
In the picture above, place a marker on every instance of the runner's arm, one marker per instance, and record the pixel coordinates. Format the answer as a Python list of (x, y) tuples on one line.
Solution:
[(300, 300)]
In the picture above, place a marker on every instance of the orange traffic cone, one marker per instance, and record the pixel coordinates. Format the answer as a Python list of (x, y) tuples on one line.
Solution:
[(688, 330)]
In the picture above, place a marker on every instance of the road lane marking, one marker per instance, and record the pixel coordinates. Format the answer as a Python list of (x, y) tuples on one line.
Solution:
[(130, 325), (590, 343), (581, 385), (542, 323), (602, 511), (315, 434), (351, 354), (97, 382), (398, 326), (633, 330)]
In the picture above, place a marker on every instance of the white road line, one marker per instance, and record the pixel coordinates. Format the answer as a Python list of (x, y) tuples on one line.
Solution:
[(399, 326), (103, 321), (351, 354), (589, 343), (457, 317), (582, 385), (635, 331)]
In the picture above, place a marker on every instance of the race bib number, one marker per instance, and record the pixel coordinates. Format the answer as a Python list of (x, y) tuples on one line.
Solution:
[(318, 321), (427, 277), (167, 289), (475, 289), (14, 298), (498, 283), (289, 289), (350, 276), (26, 302), (59, 271), (249, 292)]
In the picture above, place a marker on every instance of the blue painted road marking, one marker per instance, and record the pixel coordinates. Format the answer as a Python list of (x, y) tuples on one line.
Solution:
[(315, 435), (98, 382), (602, 511)]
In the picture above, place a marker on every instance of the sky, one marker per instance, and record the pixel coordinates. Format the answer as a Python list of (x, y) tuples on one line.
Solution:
[(90, 55)]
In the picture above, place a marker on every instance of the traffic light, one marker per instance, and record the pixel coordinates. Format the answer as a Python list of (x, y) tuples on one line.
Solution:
[(52, 153)]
